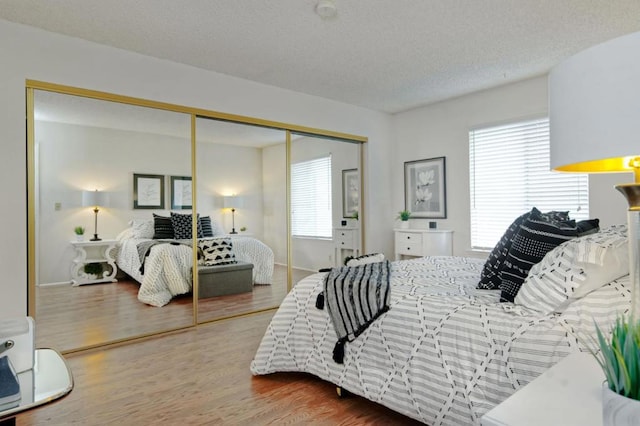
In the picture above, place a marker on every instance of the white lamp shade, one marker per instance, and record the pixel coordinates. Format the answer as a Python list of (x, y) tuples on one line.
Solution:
[(232, 202), (95, 199), (594, 108)]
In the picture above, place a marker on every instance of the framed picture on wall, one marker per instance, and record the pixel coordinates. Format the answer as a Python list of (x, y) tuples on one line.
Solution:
[(181, 193), (350, 193), (425, 188), (148, 191)]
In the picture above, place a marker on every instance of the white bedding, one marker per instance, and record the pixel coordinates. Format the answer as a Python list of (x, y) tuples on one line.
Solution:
[(167, 269), (445, 353)]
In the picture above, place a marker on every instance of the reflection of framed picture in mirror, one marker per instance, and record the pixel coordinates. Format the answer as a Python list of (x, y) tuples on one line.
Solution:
[(181, 192), (350, 193), (425, 188), (148, 191)]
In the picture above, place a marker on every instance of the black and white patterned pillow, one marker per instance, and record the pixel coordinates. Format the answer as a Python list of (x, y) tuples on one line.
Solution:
[(538, 235), (182, 226), (205, 225), (217, 251), (489, 276), (587, 227), (365, 258), (162, 227)]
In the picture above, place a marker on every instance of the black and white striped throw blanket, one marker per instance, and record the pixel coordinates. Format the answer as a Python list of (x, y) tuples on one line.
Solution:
[(355, 297)]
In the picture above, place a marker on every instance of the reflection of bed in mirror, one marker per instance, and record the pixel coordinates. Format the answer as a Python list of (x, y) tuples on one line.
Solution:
[(164, 270)]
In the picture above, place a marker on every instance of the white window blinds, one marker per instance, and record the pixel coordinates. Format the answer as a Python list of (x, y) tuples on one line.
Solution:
[(311, 198), (509, 174)]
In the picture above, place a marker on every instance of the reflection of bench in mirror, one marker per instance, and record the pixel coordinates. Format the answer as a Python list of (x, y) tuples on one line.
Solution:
[(221, 280), (49, 380)]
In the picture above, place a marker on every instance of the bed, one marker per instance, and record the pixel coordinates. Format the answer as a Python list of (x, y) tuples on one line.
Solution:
[(446, 352), (167, 266)]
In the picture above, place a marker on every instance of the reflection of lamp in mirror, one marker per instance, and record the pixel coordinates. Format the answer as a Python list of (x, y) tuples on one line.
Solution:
[(594, 105), (232, 202), (95, 199)]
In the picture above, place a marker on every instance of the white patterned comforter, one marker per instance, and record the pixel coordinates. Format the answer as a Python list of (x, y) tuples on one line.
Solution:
[(167, 269), (445, 353)]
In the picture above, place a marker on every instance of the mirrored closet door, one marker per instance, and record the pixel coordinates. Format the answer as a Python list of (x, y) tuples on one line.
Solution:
[(105, 168), (241, 188), (325, 203)]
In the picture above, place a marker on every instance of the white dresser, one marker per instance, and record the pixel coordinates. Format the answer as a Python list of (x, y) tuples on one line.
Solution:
[(423, 242), (345, 238)]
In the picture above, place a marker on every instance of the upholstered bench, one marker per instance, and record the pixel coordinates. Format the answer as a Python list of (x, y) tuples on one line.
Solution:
[(225, 279)]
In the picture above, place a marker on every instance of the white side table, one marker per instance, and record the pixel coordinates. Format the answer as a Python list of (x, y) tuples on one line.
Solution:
[(345, 239), (568, 394), (94, 252), (423, 242)]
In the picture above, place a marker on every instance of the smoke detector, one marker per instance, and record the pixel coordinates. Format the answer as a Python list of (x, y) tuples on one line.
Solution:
[(326, 9)]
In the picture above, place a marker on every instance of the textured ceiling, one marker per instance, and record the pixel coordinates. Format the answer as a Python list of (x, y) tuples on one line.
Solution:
[(380, 54)]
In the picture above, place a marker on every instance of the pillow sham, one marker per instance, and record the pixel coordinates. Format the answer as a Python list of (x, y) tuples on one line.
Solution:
[(205, 224), (574, 269), (589, 226), (217, 251), (142, 228), (162, 227), (538, 234), (490, 278), (182, 226), (366, 258)]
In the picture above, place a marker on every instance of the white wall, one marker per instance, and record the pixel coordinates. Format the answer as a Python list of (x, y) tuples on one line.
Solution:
[(29, 53), (442, 130)]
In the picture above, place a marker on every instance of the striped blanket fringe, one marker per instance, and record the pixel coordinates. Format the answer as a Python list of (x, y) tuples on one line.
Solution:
[(355, 297)]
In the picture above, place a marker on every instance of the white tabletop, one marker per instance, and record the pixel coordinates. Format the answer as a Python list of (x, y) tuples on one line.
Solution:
[(569, 393)]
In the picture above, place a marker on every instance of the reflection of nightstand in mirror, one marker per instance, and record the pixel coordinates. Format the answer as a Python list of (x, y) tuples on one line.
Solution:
[(345, 239), (99, 252)]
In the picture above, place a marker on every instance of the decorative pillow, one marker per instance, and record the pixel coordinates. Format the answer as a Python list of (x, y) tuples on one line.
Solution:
[(489, 276), (538, 235), (589, 226), (182, 226), (366, 258), (574, 269), (142, 228), (163, 228), (217, 251), (205, 225)]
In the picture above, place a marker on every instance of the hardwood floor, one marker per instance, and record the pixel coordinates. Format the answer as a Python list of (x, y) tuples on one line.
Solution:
[(199, 376), (75, 317)]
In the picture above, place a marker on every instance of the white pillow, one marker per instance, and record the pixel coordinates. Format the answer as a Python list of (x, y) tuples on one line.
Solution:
[(574, 269), (142, 228), (366, 258)]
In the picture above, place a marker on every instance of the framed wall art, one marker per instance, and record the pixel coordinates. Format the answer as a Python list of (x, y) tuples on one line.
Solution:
[(350, 193), (425, 190), (181, 193), (148, 191)]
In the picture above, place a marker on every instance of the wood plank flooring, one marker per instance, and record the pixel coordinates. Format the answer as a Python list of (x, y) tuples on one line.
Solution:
[(75, 317), (199, 376)]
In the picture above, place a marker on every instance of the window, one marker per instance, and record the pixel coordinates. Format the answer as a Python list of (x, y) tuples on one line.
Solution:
[(509, 174), (311, 198)]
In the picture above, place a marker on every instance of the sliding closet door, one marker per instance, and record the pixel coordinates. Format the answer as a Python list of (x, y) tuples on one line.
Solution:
[(120, 158), (241, 189), (326, 204)]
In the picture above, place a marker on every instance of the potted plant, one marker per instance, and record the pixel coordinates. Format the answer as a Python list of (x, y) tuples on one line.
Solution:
[(619, 358), (404, 218), (93, 270), (79, 231), (243, 229)]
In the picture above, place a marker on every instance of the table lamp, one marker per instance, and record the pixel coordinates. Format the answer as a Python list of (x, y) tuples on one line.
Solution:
[(232, 202), (95, 199), (594, 110)]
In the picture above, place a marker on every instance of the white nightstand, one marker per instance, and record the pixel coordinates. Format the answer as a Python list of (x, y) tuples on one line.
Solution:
[(568, 394), (94, 252), (345, 239), (423, 242)]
